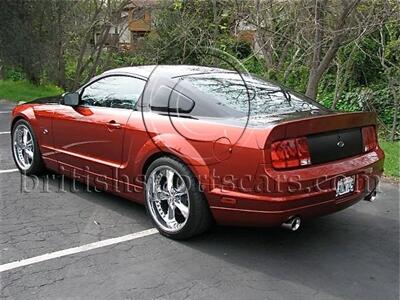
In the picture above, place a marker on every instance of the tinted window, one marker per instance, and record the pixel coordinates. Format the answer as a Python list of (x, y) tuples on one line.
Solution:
[(231, 91), (113, 91), (165, 99)]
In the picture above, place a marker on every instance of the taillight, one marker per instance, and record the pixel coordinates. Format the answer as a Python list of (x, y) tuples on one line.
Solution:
[(369, 138), (290, 153)]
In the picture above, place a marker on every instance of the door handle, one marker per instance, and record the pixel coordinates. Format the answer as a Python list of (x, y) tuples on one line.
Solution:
[(113, 125)]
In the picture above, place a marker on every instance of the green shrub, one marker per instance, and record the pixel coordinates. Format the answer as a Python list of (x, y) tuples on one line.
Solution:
[(374, 98), (14, 74)]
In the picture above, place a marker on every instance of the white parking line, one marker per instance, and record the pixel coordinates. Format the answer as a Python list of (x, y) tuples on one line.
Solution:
[(8, 171), (5, 112), (70, 251), (4, 132)]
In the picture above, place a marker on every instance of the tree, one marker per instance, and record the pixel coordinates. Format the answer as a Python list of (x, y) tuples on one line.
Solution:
[(184, 30), (38, 36), (25, 36), (390, 60), (310, 33), (91, 17)]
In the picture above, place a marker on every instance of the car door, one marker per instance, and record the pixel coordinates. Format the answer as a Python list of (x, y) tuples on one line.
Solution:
[(88, 138)]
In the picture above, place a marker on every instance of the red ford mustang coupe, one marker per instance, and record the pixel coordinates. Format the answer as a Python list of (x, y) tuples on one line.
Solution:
[(199, 145)]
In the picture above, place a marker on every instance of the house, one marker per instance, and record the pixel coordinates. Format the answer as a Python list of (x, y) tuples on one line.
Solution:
[(245, 31), (139, 20), (135, 22)]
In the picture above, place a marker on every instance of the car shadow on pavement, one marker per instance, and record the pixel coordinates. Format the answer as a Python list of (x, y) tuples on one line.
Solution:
[(115, 205)]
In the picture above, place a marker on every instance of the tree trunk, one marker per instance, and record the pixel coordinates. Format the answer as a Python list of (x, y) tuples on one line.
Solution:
[(61, 82), (100, 47), (314, 78), (342, 76), (60, 48), (396, 108), (338, 83), (312, 86), (290, 66), (394, 125), (318, 69), (319, 7)]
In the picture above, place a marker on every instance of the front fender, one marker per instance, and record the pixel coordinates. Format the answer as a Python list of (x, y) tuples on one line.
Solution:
[(39, 117), (25, 112)]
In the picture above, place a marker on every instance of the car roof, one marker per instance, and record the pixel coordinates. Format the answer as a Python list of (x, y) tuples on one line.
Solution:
[(166, 70)]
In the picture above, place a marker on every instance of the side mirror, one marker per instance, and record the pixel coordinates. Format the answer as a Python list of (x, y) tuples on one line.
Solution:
[(70, 99)]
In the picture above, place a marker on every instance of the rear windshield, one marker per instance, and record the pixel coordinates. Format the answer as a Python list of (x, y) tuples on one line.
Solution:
[(233, 91)]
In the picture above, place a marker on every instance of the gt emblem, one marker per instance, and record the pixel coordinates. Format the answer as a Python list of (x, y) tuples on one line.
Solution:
[(340, 144)]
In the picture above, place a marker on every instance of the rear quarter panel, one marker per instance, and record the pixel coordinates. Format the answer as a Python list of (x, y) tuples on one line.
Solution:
[(216, 154)]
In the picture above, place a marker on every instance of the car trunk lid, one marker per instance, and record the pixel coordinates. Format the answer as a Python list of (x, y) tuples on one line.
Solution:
[(329, 137), (334, 145)]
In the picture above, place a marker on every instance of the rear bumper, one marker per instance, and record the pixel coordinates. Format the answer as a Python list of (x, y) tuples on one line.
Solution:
[(244, 217), (313, 199)]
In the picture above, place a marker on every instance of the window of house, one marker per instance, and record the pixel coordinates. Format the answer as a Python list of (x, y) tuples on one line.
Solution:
[(138, 14)]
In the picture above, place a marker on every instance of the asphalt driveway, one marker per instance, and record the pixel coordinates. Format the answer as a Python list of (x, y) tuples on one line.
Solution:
[(353, 254)]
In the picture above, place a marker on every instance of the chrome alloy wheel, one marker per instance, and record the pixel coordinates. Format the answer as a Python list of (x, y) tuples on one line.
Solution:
[(168, 198), (23, 146)]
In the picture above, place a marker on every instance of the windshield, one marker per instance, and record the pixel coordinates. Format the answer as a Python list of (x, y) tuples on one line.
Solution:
[(231, 91)]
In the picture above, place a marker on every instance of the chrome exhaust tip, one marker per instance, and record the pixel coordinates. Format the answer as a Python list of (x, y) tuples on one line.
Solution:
[(371, 197), (292, 224)]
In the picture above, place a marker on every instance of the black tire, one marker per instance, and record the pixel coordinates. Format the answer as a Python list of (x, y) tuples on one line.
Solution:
[(199, 219), (37, 167)]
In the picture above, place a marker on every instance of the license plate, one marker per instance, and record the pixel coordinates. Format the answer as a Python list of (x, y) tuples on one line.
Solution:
[(344, 186)]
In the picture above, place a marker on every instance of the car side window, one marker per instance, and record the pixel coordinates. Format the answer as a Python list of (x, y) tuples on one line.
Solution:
[(113, 91)]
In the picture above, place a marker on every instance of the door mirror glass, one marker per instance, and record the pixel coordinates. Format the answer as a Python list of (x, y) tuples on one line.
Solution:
[(71, 99)]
